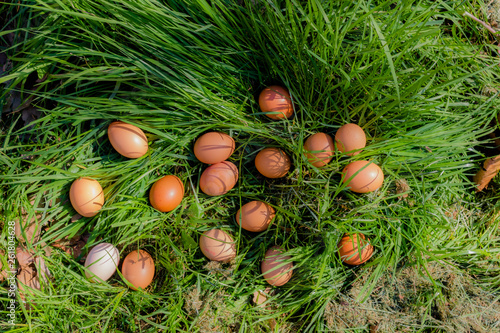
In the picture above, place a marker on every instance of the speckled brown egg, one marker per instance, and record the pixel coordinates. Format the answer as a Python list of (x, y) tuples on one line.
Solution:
[(217, 245), (319, 149), (86, 196), (354, 249), (276, 272), (369, 179), (276, 99), (166, 193), (138, 269), (213, 147), (255, 216), (272, 162), (350, 138), (219, 178), (128, 140)]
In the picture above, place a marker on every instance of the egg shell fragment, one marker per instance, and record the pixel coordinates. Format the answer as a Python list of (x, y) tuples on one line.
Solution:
[(350, 252), (276, 99), (255, 216), (275, 271), (214, 147), (319, 149), (272, 162), (350, 138), (166, 193), (218, 179), (367, 180), (138, 269), (217, 245), (127, 139), (101, 262), (86, 196)]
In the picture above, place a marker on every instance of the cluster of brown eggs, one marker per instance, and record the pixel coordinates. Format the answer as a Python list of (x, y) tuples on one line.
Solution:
[(214, 148)]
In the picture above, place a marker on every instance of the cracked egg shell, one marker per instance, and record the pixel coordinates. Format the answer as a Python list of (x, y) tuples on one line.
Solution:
[(127, 139), (217, 245), (86, 196), (213, 147), (138, 269), (367, 180)]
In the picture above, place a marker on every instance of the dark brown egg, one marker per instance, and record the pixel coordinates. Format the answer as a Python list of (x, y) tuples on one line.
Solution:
[(139, 269)]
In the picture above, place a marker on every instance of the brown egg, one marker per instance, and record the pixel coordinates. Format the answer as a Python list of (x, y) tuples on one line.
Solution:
[(319, 149), (128, 140), (138, 268), (276, 99), (272, 162), (219, 178), (255, 216), (367, 180), (86, 196), (217, 245), (272, 259), (350, 137), (350, 252), (213, 147), (166, 193)]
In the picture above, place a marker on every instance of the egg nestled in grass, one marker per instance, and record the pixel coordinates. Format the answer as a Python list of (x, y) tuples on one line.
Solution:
[(276, 267), (354, 249), (166, 193), (366, 176), (217, 245), (213, 147), (272, 162), (86, 196), (138, 269), (219, 178), (127, 139), (319, 149), (277, 102), (255, 216), (101, 262), (350, 139)]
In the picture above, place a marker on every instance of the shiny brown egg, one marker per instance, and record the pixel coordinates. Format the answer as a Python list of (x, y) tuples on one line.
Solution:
[(350, 138), (138, 269), (128, 140), (217, 245), (86, 196), (219, 178), (166, 193), (369, 178), (272, 162), (213, 147), (354, 249), (277, 101), (255, 216), (276, 272), (319, 149)]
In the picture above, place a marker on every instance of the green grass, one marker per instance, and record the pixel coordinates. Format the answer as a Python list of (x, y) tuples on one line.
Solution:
[(413, 76)]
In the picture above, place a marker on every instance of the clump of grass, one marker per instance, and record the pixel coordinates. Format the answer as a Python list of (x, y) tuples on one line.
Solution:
[(412, 75)]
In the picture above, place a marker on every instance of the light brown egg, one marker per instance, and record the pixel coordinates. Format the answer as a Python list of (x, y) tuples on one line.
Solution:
[(350, 137), (367, 180), (255, 216), (319, 149), (276, 99), (217, 245), (138, 268), (219, 178), (272, 162), (213, 147), (351, 252), (86, 196), (274, 275), (166, 193), (128, 140)]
